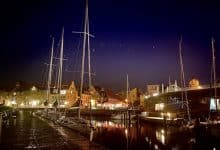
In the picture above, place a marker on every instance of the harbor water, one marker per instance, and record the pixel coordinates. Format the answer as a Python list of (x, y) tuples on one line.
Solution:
[(30, 132)]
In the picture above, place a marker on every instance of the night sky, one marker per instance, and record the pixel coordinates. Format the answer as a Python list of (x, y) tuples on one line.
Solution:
[(138, 37)]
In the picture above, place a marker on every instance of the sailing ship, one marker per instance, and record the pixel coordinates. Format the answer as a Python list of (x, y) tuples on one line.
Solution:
[(58, 83), (86, 41), (46, 102), (176, 116), (214, 101), (57, 87)]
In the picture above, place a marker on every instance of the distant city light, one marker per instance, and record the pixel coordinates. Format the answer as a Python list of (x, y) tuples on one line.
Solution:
[(13, 102), (8, 103), (33, 88), (62, 106), (147, 96), (92, 102), (155, 94), (161, 106), (34, 103), (169, 115), (126, 132)]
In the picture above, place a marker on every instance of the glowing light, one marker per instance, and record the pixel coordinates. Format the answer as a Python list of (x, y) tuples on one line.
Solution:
[(155, 94), (168, 114), (118, 105), (63, 92), (163, 139), (33, 88), (65, 103), (147, 96), (92, 102), (160, 135), (34, 103), (144, 113), (8, 103), (156, 146), (99, 105), (199, 87), (126, 132), (146, 138), (161, 106), (13, 103), (22, 104), (126, 100), (62, 106)]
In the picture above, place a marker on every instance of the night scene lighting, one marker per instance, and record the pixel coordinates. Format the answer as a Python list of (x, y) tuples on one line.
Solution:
[(110, 74)]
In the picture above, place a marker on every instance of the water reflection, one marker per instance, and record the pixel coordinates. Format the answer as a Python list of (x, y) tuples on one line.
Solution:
[(107, 124), (160, 135), (0, 128), (28, 132), (126, 135), (14, 121), (118, 135)]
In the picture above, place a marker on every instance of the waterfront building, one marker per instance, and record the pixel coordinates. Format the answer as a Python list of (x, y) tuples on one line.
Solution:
[(71, 95), (113, 101), (194, 84), (134, 97), (153, 90), (173, 87)]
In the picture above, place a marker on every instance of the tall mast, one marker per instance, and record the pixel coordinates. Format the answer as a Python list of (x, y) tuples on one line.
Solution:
[(89, 60), (127, 88), (60, 66), (50, 72), (89, 67), (183, 79), (214, 72), (83, 55), (181, 71)]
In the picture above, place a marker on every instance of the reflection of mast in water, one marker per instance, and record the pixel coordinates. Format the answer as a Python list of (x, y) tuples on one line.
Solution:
[(127, 138), (161, 136), (0, 128)]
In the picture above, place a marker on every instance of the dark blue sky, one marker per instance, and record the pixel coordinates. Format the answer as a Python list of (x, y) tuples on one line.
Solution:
[(138, 37)]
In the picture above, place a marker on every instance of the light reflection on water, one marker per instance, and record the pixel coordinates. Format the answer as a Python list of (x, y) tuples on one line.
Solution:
[(27, 132), (107, 124), (0, 128), (119, 135), (160, 135)]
